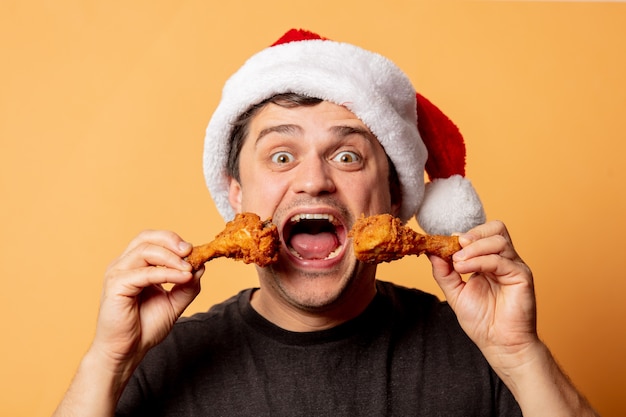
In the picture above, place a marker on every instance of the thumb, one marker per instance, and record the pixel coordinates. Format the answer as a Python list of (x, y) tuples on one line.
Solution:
[(450, 281), (181, 295)]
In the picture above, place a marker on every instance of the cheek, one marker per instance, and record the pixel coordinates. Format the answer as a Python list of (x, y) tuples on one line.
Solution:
[(261, 194), (369, 194)]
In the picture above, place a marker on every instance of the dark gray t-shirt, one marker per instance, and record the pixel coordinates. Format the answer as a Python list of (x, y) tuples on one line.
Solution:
[(404, 356)]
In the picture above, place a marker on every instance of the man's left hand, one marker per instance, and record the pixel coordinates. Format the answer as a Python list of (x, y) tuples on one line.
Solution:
[(496, 304)]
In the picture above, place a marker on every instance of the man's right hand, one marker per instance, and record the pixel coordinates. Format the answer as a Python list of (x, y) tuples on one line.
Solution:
[(136, 311), (145, 291)]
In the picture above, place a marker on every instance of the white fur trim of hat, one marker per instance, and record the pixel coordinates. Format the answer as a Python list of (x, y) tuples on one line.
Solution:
[(381, 96)]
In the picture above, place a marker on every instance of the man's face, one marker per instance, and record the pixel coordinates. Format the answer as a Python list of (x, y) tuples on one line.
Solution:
[(314, 170)]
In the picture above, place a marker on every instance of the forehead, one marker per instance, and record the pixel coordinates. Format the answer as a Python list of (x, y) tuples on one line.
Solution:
[(335, 124), (293, 118)]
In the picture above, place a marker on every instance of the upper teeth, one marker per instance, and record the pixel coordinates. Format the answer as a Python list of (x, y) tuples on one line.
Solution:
[(311, 216)]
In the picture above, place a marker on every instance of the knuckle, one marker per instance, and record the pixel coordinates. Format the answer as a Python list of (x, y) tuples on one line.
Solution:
[(143, 249), (140, 237), (499, 227), (501, 242), (498, 223)]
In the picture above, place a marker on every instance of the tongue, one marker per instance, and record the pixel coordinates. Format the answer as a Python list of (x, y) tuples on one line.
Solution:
[(317, 246)]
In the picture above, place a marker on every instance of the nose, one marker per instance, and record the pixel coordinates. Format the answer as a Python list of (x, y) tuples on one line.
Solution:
[(313, 177)]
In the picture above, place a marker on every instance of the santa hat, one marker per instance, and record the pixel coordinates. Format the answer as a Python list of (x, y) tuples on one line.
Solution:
[(414, 133)]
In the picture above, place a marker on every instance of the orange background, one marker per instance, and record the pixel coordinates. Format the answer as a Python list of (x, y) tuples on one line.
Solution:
[(103, 106)]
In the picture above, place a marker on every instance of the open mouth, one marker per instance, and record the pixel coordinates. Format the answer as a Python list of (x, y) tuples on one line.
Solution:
[(314, 236)]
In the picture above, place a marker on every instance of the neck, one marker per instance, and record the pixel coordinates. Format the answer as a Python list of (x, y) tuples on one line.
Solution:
[(297, 319)]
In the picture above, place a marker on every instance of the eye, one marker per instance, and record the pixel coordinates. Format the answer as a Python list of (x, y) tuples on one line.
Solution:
[(282, 158), (347, 157)]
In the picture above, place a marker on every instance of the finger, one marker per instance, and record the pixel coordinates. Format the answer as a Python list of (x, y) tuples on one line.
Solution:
[(183, 294), (492, 237), (494, 266), (449, 280), (130, 283), (164, 238), (496, 244), (491, 228), (154, 254), (440, 266)]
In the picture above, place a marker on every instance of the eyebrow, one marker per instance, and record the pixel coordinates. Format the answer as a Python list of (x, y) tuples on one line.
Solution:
[(283, 129), (341, 131), (344, 131)]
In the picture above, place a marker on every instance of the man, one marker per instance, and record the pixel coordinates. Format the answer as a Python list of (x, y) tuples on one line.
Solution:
[(315, 133)]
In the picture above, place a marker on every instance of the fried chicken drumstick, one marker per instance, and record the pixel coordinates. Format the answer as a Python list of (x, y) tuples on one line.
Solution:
[(383, 238), (245, 238)]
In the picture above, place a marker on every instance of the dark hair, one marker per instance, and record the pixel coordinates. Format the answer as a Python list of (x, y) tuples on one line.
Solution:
[(240, 126), (287, 100)]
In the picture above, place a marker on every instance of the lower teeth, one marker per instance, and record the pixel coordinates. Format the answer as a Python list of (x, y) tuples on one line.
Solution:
[(331, 255)]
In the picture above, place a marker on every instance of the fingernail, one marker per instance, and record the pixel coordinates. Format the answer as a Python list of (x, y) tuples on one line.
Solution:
[(465, 239), (184, 246)]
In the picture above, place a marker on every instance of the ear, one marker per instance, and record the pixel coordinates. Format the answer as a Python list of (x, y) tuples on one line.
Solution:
[(234, 195), (395, 190), (395, 209), (396, 198)]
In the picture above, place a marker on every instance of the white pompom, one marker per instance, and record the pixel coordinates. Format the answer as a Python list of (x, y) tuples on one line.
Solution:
[(450, 205)]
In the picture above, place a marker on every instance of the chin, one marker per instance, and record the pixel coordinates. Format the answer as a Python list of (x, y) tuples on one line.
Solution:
[(314, 300), (317, 291)]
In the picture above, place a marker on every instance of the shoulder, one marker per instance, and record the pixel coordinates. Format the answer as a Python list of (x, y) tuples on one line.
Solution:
[(422, 312), (201, 330)]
